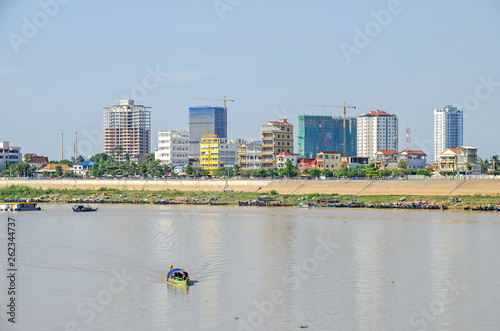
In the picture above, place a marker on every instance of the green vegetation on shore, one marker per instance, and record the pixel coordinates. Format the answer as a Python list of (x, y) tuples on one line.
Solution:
[(232, 197)]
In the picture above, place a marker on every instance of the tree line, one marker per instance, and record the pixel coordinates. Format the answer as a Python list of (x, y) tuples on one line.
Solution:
[(110, 166)]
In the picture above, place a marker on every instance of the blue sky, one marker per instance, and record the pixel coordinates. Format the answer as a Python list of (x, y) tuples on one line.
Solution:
[(271, 57)]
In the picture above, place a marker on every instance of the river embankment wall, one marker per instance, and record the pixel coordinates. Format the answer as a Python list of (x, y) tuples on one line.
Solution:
[(342, 187)]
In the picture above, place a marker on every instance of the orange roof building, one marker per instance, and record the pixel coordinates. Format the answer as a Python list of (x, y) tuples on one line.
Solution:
[(52, 167)]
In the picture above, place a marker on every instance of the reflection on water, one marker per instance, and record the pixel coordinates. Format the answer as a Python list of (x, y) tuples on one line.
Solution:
[(257, 268)]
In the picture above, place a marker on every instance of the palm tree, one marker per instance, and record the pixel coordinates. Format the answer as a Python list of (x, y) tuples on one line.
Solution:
[(495, 161), (484, 164), (117, 151)]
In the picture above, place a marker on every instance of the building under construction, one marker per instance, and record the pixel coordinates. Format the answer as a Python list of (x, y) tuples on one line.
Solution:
[(325, 133), (205, 121), (129, 126)]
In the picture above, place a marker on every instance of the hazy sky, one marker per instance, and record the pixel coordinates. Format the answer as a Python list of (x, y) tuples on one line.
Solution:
[(62, 62)]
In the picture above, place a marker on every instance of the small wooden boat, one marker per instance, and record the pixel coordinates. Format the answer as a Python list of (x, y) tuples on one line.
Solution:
[(82, 208), (178, 276), (218, 203)]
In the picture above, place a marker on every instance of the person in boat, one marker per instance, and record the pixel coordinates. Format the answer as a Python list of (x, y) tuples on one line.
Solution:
[(179, 275)]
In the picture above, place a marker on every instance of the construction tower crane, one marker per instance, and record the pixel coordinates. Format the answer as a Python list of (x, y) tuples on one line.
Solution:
[(225, 100), (345, 112)]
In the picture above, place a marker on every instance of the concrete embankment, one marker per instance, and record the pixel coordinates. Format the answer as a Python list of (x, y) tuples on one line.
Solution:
[(342, 187)]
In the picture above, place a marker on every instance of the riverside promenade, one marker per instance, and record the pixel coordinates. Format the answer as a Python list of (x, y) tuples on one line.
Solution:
[(342, 187)]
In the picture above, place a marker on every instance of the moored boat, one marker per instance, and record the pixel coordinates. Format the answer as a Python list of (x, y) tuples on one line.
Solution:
[(7, 207), (217, 203), (20, 206), (356, 204)]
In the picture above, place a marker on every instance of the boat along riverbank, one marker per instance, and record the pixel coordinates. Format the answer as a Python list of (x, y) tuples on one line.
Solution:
[(230, 197)]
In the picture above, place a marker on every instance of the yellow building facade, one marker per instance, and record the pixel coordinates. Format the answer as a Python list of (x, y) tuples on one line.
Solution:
[(210, 153), (218, 152)]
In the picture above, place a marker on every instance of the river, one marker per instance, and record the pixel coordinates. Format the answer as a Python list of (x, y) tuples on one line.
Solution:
[(253, 268)]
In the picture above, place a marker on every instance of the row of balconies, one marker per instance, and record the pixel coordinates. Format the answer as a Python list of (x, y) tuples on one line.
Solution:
[(175, 148), (173, 142)]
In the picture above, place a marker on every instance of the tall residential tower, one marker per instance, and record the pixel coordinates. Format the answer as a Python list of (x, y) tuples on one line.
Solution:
[(129, 126), (448, 129), (377, 130)]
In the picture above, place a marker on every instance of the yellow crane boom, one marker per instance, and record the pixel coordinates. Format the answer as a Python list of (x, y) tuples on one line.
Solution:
[(225, 100)]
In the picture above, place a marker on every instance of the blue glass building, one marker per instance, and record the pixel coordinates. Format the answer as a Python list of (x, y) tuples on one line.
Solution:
[(319, 133), (205, 120)]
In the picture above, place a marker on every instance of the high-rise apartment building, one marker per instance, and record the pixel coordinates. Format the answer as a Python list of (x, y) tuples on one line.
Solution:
[(129, 126), (277, 137), (205, 121), (377, 130), (173, 147), (326, 133), (448, 129)]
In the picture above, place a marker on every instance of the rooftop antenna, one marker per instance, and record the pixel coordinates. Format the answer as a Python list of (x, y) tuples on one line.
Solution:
[(76, 145), (408, 131)]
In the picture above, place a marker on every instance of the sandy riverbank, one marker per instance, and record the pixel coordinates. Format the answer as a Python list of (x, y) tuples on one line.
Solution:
[(296, 187)]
